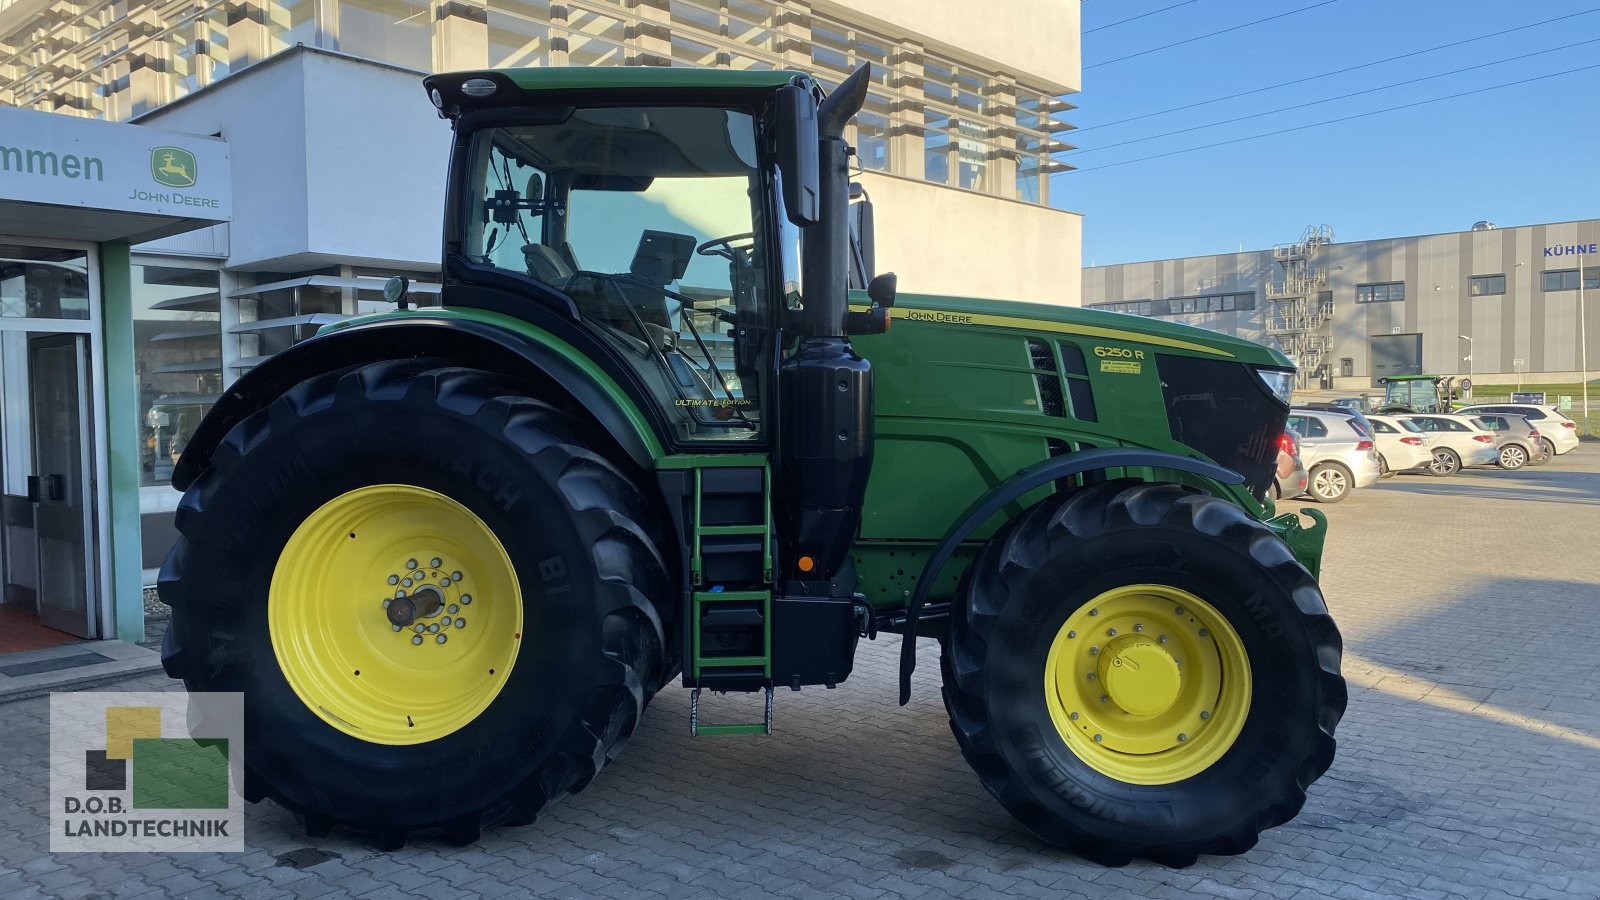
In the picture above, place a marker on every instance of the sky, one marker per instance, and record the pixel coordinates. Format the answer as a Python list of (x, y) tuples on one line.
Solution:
[(1517, 155)]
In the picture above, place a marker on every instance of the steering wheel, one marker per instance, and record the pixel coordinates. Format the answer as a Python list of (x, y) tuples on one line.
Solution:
[(729, 248)]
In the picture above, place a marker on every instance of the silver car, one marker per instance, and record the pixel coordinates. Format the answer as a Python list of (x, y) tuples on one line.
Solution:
[(1518, 442), (1338, 453)]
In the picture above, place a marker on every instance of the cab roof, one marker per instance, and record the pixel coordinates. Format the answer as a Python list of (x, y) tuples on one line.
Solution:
[(567, 78)]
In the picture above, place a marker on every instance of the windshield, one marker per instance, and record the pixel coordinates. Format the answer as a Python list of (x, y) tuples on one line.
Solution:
[(1418, 394), (647, 218)]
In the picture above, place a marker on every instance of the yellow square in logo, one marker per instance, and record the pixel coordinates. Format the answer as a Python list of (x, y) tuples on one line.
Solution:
[(125, 724)]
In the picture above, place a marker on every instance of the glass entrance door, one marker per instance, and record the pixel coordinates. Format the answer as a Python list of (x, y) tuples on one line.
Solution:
[(61, 486)]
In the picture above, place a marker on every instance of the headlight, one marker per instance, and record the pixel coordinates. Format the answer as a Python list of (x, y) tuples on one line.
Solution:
[(1280, 382)]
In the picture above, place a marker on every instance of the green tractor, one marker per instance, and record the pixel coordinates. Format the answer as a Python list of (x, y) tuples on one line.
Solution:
[(1419, 393), (660, 429)]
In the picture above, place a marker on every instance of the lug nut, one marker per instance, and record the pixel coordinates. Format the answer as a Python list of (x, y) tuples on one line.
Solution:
[(411, 564), (1111, 632), (433, 628), (437, 562), (396, 627), (1094, 612), (416, 639), (1094, 651), (1138, 628), (1178, 610), (461, 623), (385, 604), (1204, 633), (399, 594), (454, 609), (441, 638), (1091, 676), (1182, 737), (1104, 698), (420, 628), (394, 579), (465, 599), (444, 622), (445, 581), (406, 582), (1205, 714), (456, 575), (1162, 639), (1072, 634), (1097, 739), (1073, 716)]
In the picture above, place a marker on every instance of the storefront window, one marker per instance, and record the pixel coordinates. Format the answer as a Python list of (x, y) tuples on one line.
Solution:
[(177, 347), (43, 283)]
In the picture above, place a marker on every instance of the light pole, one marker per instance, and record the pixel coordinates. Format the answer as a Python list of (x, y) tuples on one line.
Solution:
[(1583, 343), (1469, 364)]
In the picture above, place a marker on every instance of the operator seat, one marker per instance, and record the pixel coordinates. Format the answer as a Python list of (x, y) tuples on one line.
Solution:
[(546, 264)]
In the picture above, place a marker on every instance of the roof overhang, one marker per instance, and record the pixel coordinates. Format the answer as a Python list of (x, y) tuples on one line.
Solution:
[(68, 178)]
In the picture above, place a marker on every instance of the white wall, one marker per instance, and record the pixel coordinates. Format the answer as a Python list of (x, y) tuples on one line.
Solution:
[(1040, 38), (334, 159), (939, 240)]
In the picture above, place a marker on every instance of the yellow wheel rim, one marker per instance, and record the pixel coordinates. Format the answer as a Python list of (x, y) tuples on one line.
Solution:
[(334, 635), (1148, 684)]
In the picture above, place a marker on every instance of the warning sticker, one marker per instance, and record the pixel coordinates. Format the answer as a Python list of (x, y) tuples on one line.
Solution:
[(1121, 367)]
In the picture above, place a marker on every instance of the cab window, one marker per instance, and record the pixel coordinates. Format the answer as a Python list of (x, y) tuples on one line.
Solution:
[(649, 219)]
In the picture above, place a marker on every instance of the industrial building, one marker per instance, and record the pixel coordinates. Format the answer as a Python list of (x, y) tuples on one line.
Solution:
[(1498, 305), (306, 166)]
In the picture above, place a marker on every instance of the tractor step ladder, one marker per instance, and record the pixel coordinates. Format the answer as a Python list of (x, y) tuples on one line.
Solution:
[(730, 630)]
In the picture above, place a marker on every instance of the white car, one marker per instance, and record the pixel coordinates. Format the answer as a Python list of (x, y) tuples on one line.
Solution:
[(1403, 447), (1457, 441), (1558, 433)]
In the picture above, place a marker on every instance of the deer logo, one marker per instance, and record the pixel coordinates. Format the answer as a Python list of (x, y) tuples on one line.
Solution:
[(173, 167)]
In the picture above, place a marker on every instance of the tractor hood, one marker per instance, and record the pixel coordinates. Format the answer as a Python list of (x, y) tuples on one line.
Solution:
[(1109, 326)]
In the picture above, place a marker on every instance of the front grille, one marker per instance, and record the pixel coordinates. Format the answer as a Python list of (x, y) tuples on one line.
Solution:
[(1222, 410)]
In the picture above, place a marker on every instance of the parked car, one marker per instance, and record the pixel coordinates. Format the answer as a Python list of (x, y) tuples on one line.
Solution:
[(1402, 446), (1559, 433), (1339, 406), (1458, 441), (1519, 443), (1363, 404), (1292, 477), (1337, 450)]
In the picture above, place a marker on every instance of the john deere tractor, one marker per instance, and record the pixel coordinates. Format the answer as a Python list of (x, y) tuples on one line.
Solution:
[(666, 424)]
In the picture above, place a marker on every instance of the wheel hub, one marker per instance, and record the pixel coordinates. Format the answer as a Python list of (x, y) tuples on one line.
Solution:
[(1147, 683), (1140, 677), (370, 607)]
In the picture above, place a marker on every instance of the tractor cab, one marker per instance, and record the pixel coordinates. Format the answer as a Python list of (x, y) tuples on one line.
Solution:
[(1416, 394)]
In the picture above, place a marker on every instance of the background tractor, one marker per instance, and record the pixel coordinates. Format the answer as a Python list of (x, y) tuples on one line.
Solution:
[(449, 554)]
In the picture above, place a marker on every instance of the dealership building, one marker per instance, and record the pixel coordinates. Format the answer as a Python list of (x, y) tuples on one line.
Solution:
[(1499, 305), (261, 167)]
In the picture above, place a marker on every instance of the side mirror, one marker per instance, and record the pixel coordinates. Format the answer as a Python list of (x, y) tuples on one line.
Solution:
[(863, 263), (797, 155)]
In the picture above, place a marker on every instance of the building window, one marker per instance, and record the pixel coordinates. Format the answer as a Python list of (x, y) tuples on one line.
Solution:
[(1487, 285), (395, 31), (936, 148), (1387, 292), (177, 353), (1567, 279), (43, 283), (1131, 307), (1207, 303)]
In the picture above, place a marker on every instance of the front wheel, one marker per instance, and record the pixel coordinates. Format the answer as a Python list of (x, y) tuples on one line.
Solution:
[(1513, 456), (1446, 462), (1143, 670), (1383, 468), (1549, 448), (443, 607)]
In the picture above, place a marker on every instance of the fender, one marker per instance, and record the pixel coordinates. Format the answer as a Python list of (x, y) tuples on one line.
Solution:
[(476, 338), (1025, 480)]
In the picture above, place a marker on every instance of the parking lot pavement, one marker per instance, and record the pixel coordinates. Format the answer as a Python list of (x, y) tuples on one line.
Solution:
[(1469, 760)]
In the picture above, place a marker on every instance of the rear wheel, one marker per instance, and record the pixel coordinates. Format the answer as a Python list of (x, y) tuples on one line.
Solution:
[(1513, 456), (1142, 670), (1446, 462), (443, 606), (1330, 483)]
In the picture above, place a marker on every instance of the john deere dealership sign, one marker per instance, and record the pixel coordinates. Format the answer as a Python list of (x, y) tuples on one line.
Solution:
[(68, 161)]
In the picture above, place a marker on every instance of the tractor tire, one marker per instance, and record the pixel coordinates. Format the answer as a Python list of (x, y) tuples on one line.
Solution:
[(448, 480), (1446, 462), (1048, 592)]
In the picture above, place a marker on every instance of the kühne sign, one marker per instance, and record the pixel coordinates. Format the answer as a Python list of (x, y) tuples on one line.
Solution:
[(68, 161)]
